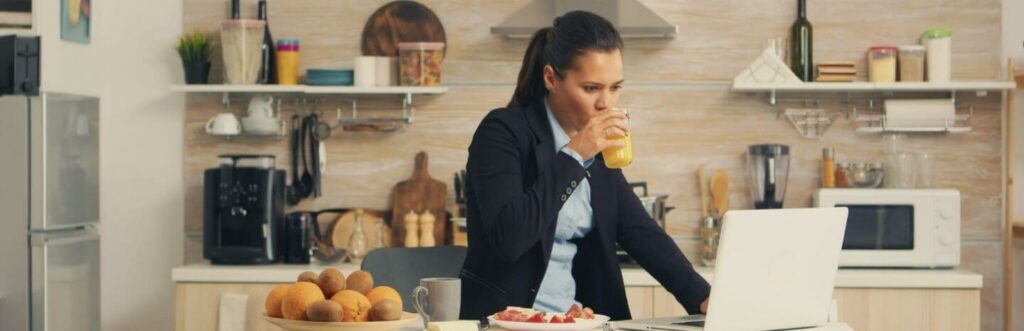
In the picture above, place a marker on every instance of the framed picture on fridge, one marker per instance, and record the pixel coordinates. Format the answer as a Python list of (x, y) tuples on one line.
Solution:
[(75, 20)]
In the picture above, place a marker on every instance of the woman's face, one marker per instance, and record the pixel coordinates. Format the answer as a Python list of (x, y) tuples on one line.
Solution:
[(590, 86)]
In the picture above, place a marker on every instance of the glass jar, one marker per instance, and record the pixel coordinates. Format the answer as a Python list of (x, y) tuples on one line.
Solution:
[(882, 64), (242, 47), (420, 63), (912, 63), (842, 175), (710, 231), (358, 246)]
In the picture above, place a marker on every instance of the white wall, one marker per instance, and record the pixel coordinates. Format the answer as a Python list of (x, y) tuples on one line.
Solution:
[(129, 64)]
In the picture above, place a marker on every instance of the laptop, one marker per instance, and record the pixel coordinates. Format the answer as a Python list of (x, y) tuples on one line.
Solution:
[(776, 269)]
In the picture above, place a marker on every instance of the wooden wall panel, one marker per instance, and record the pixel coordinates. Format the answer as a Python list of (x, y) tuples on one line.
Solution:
[(678, 124)]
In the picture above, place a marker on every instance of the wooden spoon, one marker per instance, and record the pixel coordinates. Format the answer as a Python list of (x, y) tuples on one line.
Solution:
[(720, 192), (703, 182)]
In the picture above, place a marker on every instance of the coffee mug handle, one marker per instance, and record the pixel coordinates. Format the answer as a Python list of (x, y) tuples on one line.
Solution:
[(419, 298), (209, 125)]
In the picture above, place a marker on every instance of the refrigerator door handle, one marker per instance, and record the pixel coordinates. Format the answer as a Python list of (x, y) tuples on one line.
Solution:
[(58, 239)]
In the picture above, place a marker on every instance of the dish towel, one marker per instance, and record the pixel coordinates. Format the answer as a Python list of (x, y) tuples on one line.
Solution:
[(232, 312)]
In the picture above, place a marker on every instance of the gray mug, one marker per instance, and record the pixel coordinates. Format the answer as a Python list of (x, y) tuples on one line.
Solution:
[(438, 299)]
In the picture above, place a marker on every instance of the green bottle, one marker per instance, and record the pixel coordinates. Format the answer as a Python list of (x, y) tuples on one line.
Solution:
[(801, 45)]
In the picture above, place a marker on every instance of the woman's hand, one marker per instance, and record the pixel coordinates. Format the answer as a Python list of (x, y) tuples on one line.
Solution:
[(704, 307), (593, 137)]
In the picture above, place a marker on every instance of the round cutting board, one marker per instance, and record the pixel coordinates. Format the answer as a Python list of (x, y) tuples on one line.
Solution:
[(400, 21)]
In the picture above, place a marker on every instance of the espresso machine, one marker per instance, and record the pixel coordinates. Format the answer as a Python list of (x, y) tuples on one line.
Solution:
[(243, 208), (768, 170)]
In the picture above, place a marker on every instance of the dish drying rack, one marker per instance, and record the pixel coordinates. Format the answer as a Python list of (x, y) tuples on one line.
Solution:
[(376, 124)]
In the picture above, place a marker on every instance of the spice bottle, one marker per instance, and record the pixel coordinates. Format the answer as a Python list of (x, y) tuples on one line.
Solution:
[(828, 168)]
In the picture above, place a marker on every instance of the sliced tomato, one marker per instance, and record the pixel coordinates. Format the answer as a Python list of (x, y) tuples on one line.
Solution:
[(556, 319), (568, 319), (537, 318)]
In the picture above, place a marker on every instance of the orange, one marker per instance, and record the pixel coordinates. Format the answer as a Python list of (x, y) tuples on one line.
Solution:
[(383, 292), (273, 304), (355, 306), (297, 298)]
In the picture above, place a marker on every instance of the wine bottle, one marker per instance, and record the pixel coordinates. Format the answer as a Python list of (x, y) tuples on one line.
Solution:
[(268, 70), (801, 44), (234, 10)]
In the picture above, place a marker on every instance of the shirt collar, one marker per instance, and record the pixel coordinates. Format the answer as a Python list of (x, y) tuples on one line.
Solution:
[(561, 138)]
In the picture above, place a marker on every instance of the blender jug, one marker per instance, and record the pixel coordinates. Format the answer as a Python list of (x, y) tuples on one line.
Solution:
[(768, 167)]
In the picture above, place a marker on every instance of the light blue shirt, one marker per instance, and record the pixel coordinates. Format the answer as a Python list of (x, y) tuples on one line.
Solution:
[(558, 289)]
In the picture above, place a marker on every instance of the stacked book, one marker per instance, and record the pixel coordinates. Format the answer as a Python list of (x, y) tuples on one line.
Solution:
[(836, 71)]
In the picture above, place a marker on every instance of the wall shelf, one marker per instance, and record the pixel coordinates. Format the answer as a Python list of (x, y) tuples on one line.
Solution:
[(773, 89), (406, 92)]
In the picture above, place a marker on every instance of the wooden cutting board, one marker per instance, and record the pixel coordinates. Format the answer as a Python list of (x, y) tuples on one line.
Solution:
[(400, 21), (342, 228), (418, 194)]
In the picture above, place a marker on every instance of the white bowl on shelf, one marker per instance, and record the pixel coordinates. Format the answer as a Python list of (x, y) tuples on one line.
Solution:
[(261, 125)]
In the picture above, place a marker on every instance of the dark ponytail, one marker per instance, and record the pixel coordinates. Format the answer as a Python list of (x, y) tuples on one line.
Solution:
[(574, 33)]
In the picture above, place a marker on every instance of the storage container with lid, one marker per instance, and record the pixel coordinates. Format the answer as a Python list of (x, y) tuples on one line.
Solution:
[(912, 63), (882, 64), (420, 63), (939, 45)]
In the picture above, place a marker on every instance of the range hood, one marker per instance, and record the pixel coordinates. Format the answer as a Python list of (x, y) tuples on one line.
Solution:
[(630, 17)]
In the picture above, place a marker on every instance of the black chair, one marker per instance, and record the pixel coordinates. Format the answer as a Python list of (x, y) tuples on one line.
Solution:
[(402, 268)]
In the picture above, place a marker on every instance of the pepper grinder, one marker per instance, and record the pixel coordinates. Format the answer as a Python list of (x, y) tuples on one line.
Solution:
[(427, 229), (411, 229)]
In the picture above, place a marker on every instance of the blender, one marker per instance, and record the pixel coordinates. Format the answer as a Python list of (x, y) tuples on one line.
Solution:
[(768, 167)]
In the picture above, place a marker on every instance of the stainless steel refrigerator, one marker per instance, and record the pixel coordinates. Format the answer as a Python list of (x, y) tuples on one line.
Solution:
[(49, 212)]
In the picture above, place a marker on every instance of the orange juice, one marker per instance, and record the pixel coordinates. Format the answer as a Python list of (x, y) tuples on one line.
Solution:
[(619, 157)]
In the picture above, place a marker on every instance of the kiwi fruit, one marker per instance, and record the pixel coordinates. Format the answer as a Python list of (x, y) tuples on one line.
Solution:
[(331, 281), (360, 281), (386, 310), (307, 276), (324, 311)]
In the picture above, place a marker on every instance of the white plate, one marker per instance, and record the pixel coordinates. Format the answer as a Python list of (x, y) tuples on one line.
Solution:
[(581, 324)]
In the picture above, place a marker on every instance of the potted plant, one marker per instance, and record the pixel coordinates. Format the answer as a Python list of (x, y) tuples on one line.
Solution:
[(194, 49)]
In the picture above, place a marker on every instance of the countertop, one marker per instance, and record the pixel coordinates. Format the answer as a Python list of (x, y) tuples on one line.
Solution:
[(846, 278)]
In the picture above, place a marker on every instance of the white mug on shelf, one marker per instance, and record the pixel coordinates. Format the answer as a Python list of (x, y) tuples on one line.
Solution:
[(224, 124), (365, 75), (262, 107)]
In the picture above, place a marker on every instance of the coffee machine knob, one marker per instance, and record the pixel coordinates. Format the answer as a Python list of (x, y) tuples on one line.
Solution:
[(236, 211)]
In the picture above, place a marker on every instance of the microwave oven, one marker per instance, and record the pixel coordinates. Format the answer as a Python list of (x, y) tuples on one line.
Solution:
[(909, 228)]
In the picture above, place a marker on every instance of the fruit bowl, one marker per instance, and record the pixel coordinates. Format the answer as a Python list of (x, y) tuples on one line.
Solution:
[(291, 325)]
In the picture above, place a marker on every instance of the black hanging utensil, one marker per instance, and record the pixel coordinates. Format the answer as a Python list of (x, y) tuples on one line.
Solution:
[(294, 192)]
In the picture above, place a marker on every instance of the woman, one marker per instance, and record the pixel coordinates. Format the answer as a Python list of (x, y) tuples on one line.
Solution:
[(544, 212)]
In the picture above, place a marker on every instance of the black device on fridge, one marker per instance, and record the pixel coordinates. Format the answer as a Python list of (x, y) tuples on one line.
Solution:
[(243, 208), (19, 65)]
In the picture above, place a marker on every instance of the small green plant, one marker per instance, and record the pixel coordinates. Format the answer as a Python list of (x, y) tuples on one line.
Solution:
[(195, 47)]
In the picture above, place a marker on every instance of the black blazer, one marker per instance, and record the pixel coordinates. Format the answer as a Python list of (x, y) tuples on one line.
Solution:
[(516, 184)]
